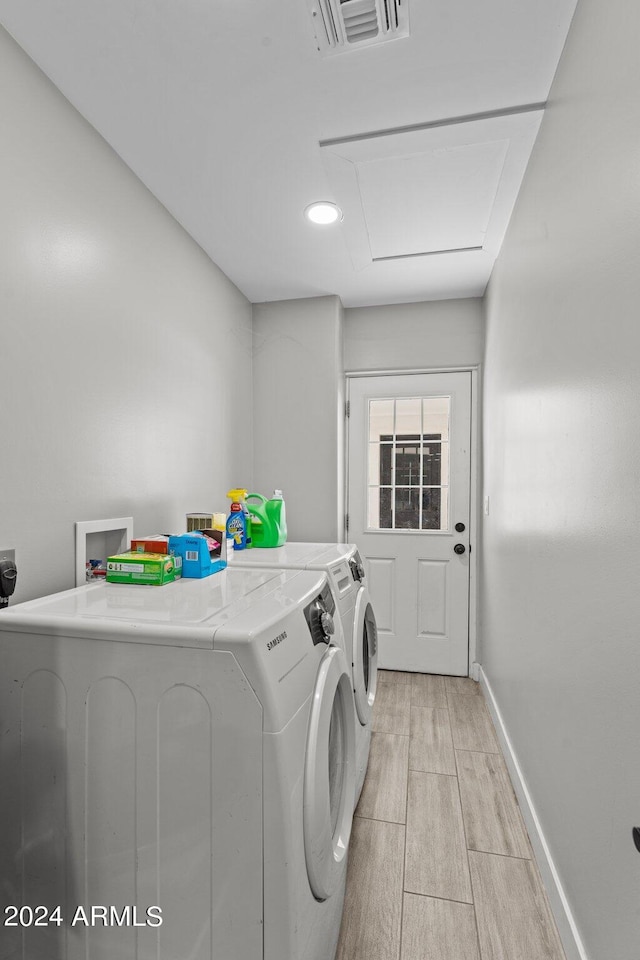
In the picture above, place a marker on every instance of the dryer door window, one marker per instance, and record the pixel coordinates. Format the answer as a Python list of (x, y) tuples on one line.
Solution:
[(365, 656), (329, 778), (337, 736)]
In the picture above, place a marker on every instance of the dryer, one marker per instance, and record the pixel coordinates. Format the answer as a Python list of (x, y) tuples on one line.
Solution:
[(187, 748), (346, 573)]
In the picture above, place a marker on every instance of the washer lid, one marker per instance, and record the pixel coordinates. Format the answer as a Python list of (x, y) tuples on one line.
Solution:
[(329, 776), (291, 555), (184, 613), (365, 656)]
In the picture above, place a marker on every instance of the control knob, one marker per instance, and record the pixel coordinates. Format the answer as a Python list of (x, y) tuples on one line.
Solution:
[(327, 624)]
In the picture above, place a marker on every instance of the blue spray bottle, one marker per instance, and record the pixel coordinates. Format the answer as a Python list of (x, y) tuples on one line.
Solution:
[(238, 523)]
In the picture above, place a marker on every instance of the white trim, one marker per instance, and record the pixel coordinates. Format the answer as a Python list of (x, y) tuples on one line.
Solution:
[(431, 124), (345, 441), (474, 538), (466, 368), (567, 927)]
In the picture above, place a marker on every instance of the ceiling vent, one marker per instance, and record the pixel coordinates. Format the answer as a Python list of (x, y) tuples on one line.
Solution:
[(342, 25)]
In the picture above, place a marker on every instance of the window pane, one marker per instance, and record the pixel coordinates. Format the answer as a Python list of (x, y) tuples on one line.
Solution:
[(431, 508), (408, 463), (386, 514), (435, 411), (379, 513), (408, 416), (431, 463), (407, 516), (380, 418), (384, 470), (444, 465), (444, 509), (435, 508)]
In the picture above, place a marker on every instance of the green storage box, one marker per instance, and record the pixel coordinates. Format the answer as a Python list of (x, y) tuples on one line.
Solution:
[(151, 569)]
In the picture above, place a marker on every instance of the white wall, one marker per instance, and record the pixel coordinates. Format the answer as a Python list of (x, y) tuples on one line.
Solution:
[(301, 350), (298, 412), (409, 336), (125, 361), (561, 603)]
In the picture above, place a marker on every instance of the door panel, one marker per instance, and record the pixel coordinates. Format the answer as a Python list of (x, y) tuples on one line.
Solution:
[(432, 598), (380, 577), (409, 483)]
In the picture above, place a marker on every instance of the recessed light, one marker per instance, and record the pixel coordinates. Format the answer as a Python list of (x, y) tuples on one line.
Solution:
[(323, 212)]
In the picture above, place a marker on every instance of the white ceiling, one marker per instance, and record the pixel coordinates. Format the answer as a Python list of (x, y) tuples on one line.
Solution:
[(229, 114)]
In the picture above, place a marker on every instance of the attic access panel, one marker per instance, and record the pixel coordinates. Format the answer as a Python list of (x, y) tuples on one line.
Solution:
[(438, 200), (441, 189)]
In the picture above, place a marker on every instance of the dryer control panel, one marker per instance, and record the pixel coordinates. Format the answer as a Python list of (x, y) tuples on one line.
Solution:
[(319, 615), (341, 578), (357, 567)]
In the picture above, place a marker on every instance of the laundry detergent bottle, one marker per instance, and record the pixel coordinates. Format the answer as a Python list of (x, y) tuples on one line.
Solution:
[(269, 524), (276, 509), (238, 521)]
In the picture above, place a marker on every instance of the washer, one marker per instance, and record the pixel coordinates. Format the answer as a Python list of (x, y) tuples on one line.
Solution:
[(346, 573), (188, 748)]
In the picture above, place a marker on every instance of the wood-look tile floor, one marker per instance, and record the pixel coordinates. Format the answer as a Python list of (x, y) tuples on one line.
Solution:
[(440, 865)]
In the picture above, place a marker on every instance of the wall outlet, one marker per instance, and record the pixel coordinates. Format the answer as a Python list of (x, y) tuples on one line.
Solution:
[(7, 555)]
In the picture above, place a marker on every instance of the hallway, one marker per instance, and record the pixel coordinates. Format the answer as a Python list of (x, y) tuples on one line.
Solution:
[(440, 862)]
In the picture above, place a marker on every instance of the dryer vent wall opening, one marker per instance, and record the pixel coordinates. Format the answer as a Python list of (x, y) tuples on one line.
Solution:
[(346, 25)]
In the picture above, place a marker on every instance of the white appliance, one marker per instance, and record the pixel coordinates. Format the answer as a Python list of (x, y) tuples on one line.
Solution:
[(187, 747), (346, 574)]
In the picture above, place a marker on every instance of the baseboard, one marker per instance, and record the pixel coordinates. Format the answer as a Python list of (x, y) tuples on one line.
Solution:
[(569, 934)]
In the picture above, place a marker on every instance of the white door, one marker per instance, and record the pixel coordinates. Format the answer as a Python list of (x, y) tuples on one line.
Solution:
[(408, 512)]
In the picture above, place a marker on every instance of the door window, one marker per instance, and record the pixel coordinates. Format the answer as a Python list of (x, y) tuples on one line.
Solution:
[(408, 464)]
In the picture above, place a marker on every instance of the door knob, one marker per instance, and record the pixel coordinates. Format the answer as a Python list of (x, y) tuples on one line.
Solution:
[(460, 527), (459, 548)]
